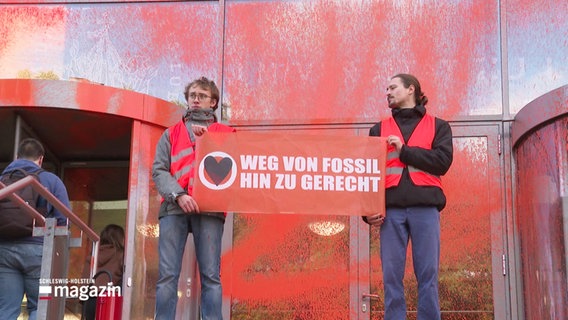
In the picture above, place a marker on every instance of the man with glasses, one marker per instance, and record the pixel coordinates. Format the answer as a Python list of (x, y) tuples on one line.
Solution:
[(173, 172)]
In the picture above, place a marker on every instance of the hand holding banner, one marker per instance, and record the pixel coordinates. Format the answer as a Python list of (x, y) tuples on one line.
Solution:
[(278, 172)]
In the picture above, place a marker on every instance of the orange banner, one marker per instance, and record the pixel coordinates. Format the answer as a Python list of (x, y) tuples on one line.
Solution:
[(279, 172)]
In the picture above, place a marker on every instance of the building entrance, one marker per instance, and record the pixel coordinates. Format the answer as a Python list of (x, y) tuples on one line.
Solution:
[(90, 152)]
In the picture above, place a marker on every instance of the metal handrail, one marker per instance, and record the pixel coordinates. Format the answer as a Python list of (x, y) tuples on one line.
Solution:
[(8, 191), (40, 220)]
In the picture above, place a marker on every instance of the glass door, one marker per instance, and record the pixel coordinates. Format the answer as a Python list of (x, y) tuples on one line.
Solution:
[(472, 246)]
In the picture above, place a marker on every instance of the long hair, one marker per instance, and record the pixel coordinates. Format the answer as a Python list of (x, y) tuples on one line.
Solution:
[(407, 81), (113, 234)]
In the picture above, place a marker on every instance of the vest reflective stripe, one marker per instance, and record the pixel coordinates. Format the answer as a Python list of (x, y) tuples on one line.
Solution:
[(181, 170), (183, 153), (177, 167), (423, 136), (393, 154), (394, 170)]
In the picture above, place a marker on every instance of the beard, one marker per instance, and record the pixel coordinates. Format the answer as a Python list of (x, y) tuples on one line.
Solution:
[(392, 103)]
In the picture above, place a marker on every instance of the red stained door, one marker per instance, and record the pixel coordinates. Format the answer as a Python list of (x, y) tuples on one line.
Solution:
[(289, 267), (472, 281)]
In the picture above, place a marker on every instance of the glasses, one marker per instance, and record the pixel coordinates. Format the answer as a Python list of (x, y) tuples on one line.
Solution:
[(199, 96)]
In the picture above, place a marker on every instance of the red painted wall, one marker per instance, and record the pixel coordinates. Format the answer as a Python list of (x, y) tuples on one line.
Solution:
[(288, 65)]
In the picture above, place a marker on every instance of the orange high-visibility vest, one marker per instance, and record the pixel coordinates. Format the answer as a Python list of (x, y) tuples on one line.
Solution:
[(423, 136), (183, 153)]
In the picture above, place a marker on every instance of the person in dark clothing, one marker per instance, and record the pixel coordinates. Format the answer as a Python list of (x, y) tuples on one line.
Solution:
[(419, 152), (110, 259), (20, 259)]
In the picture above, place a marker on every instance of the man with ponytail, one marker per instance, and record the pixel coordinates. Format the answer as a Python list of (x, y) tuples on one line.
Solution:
[(419, 152), (173, 172)]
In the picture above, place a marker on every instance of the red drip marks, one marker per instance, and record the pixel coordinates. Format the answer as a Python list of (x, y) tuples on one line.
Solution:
[(282, 263), (27, 19), (187, 33), (466, 221)]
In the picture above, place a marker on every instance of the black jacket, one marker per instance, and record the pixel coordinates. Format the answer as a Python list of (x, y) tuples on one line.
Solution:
[(436, 161)]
